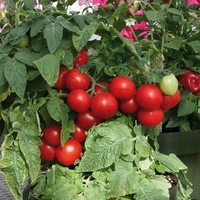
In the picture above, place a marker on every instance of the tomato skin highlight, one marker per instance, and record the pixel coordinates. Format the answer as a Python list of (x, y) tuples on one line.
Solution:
[(69, 153), (81, 58), (149, 97), (128, 106), (79, 134), (104, 106), (51, 134), (86, 120), (170, 101), (75, 79), (47, 152), (79, 100), (60, 82), (122, 87), (150, 118)]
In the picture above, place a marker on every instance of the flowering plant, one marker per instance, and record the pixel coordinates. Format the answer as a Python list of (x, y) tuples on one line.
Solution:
[(86, 88)]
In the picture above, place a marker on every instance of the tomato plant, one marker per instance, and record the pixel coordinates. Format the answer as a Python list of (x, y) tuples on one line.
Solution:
[(69, 153), (81, 58), (104, 105), (170, 101), (150, 118), (79, 100), (60, 82), (47, 152), (122, 87), (51, 134), (86, 119), (75, 79), (149, 97), (101, 87), (23, 42), (79, 134), (128, 106)]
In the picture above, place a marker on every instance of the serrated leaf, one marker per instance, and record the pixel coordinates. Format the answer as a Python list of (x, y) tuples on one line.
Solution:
[(104, 146), (67, 129), (48, 66), (53, 34), (81, 40), (154, 15), (16, 75), (29, 143), (142, 146), (66, 24), (14, 169), (186, 107), (176, 43), (37, 26), (122, 181)]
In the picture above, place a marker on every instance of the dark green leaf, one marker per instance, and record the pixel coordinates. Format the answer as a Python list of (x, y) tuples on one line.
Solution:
[(186, 107), (37, 26), (29, 3), (2, 77), (195, 46), (53, 34), (176, 43), (16, 75), (48, 66)]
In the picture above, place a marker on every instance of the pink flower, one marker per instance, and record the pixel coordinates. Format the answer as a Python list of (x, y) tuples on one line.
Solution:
[(127, 32), (139, 12), (191, 2), (101, 2), (142, 26)]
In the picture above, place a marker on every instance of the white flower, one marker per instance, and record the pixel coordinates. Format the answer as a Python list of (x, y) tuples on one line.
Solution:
[(95, 37), (130, 22)]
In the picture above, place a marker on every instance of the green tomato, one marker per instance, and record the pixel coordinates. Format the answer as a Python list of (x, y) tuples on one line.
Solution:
[(169, 84), (60, 53), (23, 42)]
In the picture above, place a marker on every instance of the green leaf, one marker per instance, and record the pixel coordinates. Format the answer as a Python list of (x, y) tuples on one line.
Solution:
[(16, 75), (154, 15), (81, 40), (14, 169), (122, 181), (142, 146), (195, 46), (29, 142), (29, 3), (53, 34), (2, 77), (176, 43), (105, 144), (37, 26), (66, 24), (48, 66), (186, 107), (174, 11)]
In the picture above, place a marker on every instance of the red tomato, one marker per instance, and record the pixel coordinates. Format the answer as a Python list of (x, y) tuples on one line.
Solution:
[(79, 134), (47, 152), (150, 118), (74, 79), (69, 153), (86, 120), (60, 83), (104, 105), (101, 87), (81, 58), (122, 87), (52, 134), (79, 100), (149, 97), (128, 106), (170, 101)]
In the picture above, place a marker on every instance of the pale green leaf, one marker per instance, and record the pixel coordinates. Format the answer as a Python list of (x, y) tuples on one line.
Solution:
[(48, 66), (81, 40), (105, 144), (16, 75), (174, 11), (154, 15), (53, 34), (142, 146)]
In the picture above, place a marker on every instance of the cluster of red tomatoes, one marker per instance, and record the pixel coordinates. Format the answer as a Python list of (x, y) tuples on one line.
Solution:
[(147, 102)]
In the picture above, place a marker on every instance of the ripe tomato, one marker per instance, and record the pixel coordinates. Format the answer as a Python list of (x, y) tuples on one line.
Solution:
[(79, 100), (69, 153), (122, 87), (81, 58), (169, 84), (51, 134), (170, 101), (104, 105), (79, 134), (101, 87), (74, 79), (149, 97), (47, 152), (150, 118), (86, 120), (60, 82), (128, 106)]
